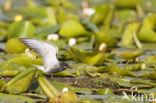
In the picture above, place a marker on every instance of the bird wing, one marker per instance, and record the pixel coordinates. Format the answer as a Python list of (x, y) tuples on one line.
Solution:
[(47, 50)]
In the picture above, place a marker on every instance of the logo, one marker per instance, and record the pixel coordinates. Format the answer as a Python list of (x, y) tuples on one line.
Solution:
[(137, 96)]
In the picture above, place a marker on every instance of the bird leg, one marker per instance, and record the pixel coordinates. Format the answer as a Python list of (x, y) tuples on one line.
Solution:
[(52, 77)]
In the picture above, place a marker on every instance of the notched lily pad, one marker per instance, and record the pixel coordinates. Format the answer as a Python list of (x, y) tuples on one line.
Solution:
[(10, 69), (21, 82), (13, 45), (3, 85), (130, 54), (21, 29), (92, 58), (72, 28)]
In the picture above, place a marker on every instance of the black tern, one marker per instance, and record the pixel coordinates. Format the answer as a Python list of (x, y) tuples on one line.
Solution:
[(48, 51)]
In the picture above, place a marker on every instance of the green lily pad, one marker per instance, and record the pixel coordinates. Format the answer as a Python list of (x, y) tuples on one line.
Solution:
[(127, 3), (26, 61), (91, 58), (21, 82), (127, 38), (72, 28), (10, 69), (48, 88), (130, 54), (104, 37), (21, 29), (36, 12), (105, 91), (13, 45), (7, 98), (3, 85)]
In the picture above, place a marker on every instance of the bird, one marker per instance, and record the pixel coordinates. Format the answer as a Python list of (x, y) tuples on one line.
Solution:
[(48, 51)]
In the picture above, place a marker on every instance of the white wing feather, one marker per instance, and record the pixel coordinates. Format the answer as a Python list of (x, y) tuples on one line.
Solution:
[(47, 50)]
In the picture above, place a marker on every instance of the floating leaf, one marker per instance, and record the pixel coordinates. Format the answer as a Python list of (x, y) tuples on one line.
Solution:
[(124, 15), (3, 85), (13, 45), (105, 91), (26, 61), (72, 28), (47, 87), (21, 82), (127, 38), (92, 58), (67, 97), (104, 37), (147, 33), (10, 69), (130, 54), (127, 3), (49, 30), (21, 29), (100, 14), (36, 12), (7, 98)]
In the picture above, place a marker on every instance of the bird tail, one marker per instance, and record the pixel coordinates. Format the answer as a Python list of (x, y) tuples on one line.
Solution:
[(38, 67)]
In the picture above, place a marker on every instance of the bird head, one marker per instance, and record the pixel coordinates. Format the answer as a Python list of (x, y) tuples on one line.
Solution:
[(64, 66)]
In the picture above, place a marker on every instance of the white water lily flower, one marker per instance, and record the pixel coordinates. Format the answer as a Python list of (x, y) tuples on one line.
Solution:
[(103, 47), (72, 41), (65, 90), (53, 37), (27, 51), (88, 11)]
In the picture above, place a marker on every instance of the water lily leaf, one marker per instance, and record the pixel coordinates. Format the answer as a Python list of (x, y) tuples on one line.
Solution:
[(124, 15), (147, 33), (60, 86), (104, 37), (140, 81), (53, 2), (72, 28), (36, 12), (149, 76), (92, 58), (100, 14), (21, 29), (47, 88), (61, 15), (51, 16), (127, 4), (69, 5), (123, 82), (130, 54), (50, 19), (3, 85), (71, 16), (61, 44), (15, 99), (112, 69), (13, 45), (21, 82), (26, 61), (49, 30), (105, 91), (67, 97), (79, 68), (10, 69), (90, 100), (127, 38), (116, 99), (151, 58)]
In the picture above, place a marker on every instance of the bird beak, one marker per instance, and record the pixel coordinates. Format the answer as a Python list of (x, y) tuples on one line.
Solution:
[(65, 66), (69, 67)]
